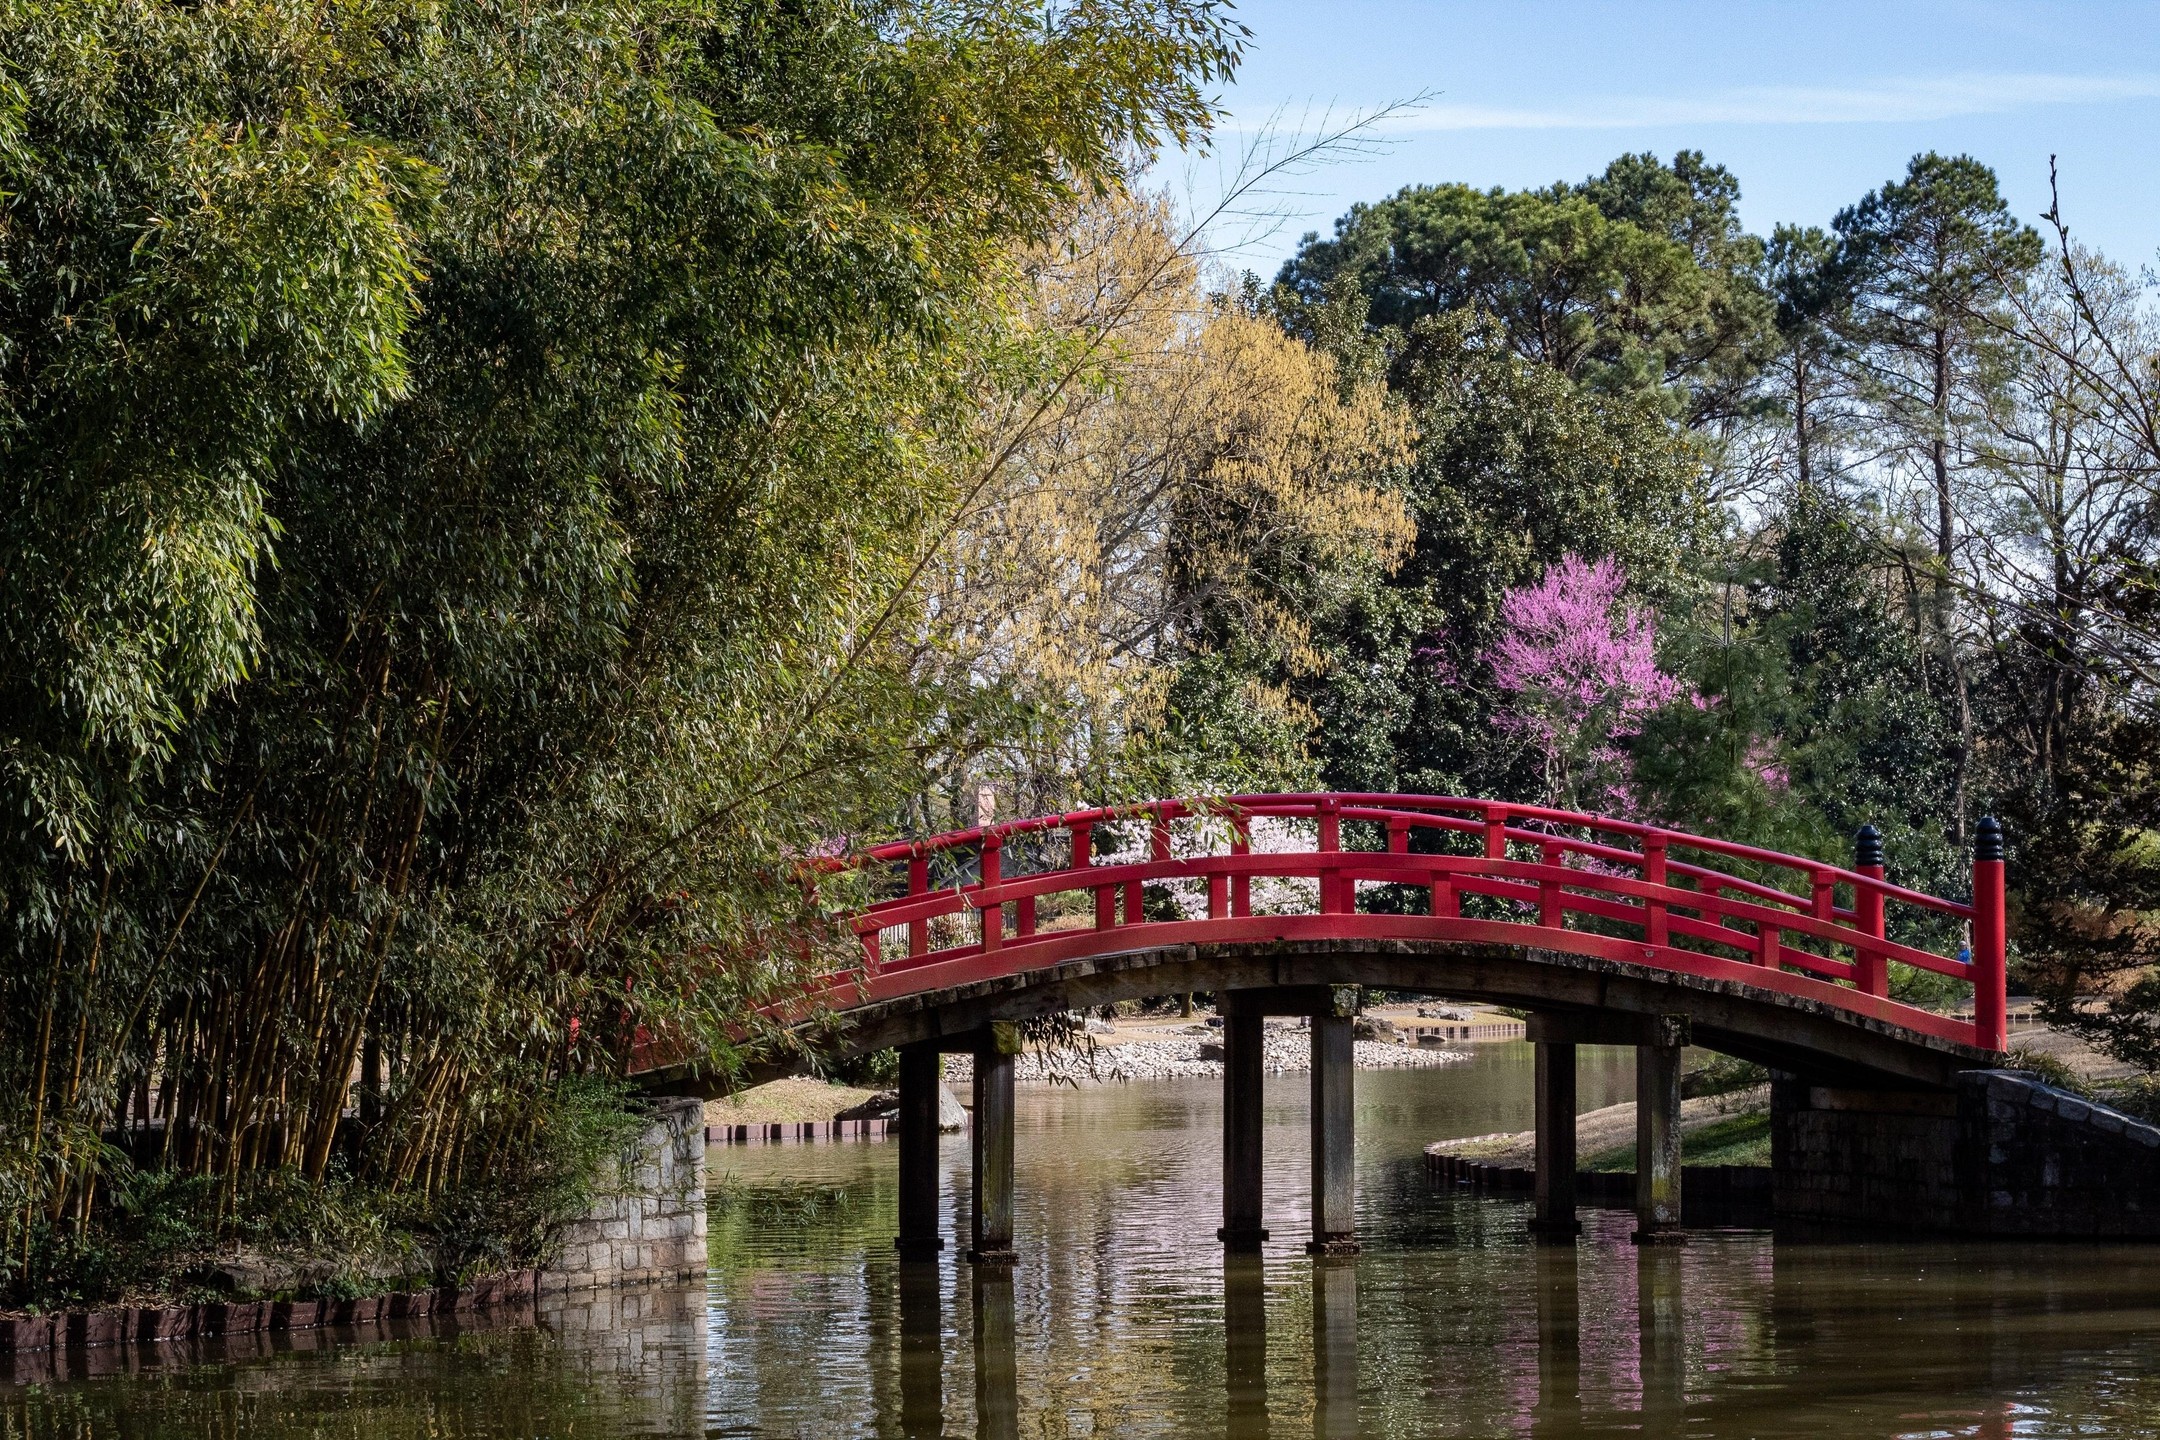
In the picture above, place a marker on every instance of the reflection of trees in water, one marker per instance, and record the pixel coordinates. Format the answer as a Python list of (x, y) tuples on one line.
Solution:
[(1729, 1336), (1124, 1321), (1121, 1319)]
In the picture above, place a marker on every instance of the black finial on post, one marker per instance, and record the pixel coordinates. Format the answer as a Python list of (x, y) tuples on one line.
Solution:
[(1867, 846), (1988, 839)]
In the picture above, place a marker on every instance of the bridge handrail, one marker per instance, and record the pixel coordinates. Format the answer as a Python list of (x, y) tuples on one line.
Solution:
[(1304, 805), (1521, 878), (1707, 910)]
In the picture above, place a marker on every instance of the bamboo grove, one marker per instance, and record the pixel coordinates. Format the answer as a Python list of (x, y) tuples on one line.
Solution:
[(468, 466)]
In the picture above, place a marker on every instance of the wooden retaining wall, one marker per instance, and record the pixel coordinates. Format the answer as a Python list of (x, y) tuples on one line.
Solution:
[(776, 1132), (121, 1326)]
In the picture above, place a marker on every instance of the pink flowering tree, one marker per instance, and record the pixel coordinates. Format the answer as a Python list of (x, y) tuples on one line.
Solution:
[(1576, 665)]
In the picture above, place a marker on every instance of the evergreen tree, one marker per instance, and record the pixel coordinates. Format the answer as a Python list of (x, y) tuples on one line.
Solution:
[(1638, 281)]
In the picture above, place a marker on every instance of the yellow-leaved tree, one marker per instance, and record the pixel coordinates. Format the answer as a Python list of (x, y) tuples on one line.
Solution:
[(1173, 480)]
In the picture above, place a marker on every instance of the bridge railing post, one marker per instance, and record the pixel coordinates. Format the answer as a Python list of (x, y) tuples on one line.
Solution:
[(1990, 940), (918, 884), (1135, 891), (1083, 858), (992, 912), (1871, 972), (1331, 882), (1656, 930), (1549, 915), (1241, 885)]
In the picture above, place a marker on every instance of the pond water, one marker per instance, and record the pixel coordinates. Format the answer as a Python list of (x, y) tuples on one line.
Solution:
[(1123, 1318)]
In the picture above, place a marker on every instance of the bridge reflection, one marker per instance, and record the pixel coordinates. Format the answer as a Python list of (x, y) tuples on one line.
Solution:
[(1588, 1368)]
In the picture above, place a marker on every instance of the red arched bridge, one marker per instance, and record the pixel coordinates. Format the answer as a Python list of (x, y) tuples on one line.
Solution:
[(1607, 931)]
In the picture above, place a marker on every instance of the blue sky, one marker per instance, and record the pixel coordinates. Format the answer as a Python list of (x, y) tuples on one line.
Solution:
[(1809, 105)]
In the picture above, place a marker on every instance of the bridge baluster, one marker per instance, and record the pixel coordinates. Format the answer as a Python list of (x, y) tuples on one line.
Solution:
[(1656, 931), (1871, 972), (1330, 840), (1496, 833), (1549, 890), (1446, 900), (993, 912), (1767, 946), (918, 884), (1241, 885)]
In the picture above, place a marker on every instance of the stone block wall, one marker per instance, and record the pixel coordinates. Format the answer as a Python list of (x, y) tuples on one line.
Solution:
[(651, 1224), (2005, 1154), (1860, 1157), (2035, 1160)]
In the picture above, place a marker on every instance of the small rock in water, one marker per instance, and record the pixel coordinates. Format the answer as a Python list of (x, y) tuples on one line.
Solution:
[(885, 1102)]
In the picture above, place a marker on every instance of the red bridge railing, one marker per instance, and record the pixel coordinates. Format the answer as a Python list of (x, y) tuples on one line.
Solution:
[(1258, 867)]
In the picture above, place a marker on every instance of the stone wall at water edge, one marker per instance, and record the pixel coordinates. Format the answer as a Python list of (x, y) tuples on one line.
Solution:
[(652, 1225), (2004, 1155)]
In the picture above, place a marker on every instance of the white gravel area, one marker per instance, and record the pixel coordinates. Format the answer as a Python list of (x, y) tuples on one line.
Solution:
[(1289, 1052)]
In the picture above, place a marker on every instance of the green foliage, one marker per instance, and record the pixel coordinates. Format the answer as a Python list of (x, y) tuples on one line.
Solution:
[(1742, 1139), (468, 472), (1720, 1074), (2050, 1069), (162, 1231), (1515, 467), (2087, 908), (1636, 282), (1823, 711)]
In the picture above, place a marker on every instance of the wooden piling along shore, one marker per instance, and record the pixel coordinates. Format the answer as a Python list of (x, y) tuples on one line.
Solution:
[(122, 1325), (775, 1132)]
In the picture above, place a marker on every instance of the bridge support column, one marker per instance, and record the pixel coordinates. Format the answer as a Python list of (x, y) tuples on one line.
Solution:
[(1334, 1109), (1243, 1038), (1657, 1139), (919, 1238), (993, 1146), (1553, 1216)]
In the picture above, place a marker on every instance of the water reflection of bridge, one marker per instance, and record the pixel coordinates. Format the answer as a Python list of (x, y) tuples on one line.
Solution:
[(1654, 1367)]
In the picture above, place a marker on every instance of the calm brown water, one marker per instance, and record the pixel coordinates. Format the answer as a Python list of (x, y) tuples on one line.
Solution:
[(1122, 1319)]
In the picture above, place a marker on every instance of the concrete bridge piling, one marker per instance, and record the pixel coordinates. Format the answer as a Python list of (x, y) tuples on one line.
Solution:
[(991, 1215), (1331, 1011), (1658, 1042)]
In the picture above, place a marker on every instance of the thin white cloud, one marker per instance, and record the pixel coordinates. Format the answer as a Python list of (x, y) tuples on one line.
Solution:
[(1892, 99)]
